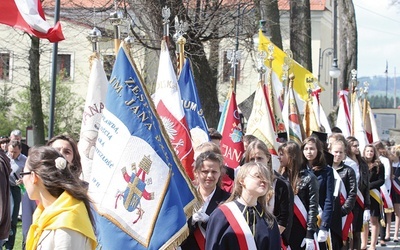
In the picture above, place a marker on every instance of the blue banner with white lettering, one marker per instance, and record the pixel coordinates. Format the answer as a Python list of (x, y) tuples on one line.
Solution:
[(192, 105), (140, 191)]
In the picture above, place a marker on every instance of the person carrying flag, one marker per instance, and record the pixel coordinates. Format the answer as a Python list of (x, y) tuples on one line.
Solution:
[(208, 169)]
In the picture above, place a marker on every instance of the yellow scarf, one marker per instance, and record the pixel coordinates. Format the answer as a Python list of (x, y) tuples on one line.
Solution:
[(65, 212)]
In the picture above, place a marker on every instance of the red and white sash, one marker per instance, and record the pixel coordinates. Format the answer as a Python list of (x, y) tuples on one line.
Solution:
[(360, 198), (396, 186), (387, 200), (347, 219), (300, 212), (239, 225)]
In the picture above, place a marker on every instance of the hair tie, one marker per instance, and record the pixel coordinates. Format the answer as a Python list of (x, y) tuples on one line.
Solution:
[(61, 163)]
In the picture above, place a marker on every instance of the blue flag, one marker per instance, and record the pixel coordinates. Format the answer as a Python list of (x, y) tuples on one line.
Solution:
[(140, 192), (192, 106)]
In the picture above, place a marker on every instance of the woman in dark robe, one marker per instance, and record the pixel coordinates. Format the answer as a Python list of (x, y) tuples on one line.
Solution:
[(243, 222)]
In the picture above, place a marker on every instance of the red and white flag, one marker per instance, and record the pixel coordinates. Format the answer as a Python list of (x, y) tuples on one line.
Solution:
[(275, 102), (358, 130), (319, 112), (370, 125), (343, 120), (167, 99), (292, 118), (28, 16)]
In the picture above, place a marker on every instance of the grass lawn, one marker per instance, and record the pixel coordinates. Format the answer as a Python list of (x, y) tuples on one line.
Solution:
[(18, 239)]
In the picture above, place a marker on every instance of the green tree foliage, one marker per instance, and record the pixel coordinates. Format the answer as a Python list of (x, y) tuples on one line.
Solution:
[(7, 124), (67, 105), (379, 101)]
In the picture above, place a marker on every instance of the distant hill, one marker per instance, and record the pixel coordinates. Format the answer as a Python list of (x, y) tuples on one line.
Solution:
[(379, 87), (377, 84)]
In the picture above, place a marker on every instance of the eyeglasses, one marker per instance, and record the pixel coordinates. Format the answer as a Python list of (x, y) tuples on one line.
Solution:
[(24, 173), (257, 177)]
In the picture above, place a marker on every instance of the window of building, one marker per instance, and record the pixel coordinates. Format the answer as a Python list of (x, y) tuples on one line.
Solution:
[(5, 59), (108, 63), (64, 66), (227, 70)]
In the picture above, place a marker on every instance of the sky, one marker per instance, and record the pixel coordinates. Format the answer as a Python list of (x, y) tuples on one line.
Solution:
[(378, 37)]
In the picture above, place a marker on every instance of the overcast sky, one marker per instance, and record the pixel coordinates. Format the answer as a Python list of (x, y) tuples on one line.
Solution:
[(378, 37)]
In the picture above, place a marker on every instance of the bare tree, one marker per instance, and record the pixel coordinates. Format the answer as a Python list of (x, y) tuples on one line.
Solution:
[(35, 92), (270, 12), (300, 32), (348, 41), (208, 22)]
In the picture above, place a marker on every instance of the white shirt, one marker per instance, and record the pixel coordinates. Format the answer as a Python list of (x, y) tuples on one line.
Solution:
[(351, 163), (386, 164), (63, 239)]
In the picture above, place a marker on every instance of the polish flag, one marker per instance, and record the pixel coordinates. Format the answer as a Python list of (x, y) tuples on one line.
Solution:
[(343, 120), (167, 99), (28, 16)]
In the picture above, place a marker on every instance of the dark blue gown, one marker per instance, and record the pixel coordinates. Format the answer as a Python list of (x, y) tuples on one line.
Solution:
[(220, 235)]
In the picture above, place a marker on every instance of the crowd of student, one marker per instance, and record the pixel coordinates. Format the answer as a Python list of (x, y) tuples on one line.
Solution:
[(325, 194)]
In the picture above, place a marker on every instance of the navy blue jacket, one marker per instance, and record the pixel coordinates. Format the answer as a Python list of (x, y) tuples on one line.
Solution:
[(326, 183), (221, 236)]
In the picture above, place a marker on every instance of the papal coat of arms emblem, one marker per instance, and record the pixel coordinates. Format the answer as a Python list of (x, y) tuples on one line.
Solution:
[(136, 188)]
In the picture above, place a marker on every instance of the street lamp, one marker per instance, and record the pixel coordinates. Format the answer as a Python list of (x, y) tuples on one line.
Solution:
[(334, 72), (94, 36), (322, 53)]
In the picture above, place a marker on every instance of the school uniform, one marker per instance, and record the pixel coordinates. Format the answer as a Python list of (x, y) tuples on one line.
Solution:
[(396, 183), (307, 194), (326, 184), (376, 180), (283, 206), (218, 197), (221, 234), (343, 206)]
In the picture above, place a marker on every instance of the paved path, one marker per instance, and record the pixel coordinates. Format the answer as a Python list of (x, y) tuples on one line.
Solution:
[(390, 244)]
